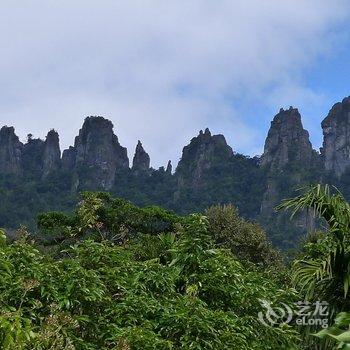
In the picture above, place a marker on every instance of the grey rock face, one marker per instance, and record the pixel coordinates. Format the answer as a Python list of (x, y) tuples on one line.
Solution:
[(336, 138), (203, 152), (141, 161), (10, 151), (287, 141), (36, 156), (51, 153), (98, 154), (287, 159), (68, 158)]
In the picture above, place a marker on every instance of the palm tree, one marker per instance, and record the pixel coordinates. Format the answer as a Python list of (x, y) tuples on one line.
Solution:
[(326, 275)]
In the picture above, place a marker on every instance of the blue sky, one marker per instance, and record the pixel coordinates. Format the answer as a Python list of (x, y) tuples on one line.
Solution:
[(329, 76), (163, 70)]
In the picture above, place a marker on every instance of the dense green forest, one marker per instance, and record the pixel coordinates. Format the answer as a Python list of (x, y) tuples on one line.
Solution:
[(111, 275), (224, 183)]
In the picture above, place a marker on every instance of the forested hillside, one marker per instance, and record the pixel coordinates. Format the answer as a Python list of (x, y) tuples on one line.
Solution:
[(34, 177), (111, 275)]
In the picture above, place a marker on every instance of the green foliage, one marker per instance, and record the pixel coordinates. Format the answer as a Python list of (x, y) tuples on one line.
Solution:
[(145, 278), (98, 215), (339, 333), (236, 179), (233, 179), (325, 273), (246, 240), (322, 270), (159, 290), (2, 237), (25, 196), (285, 182)]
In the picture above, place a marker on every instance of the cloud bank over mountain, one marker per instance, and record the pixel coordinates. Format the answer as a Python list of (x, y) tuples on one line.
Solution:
[(164, 70)]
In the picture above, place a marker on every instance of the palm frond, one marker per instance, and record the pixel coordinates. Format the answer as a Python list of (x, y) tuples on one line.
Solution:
[(331, 269), (308, 273), (327, 204)]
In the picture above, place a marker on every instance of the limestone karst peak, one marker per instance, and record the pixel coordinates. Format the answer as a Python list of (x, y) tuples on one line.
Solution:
[(141, 160), (10, 151), (336, 141), (287, 140), (51, 153), (97, 151), (202, 153), (208, 172)]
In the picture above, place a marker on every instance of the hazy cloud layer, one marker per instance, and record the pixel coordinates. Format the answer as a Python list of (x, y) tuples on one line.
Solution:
[(161, 70)]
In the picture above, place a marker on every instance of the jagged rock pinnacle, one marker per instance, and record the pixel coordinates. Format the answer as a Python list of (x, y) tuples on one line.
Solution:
[(286, 141), (10, 151), (288, 155), (141, 161), (203, 152), (52, 153), (169, 167), (336, 141), (97, 151), (207, 132)]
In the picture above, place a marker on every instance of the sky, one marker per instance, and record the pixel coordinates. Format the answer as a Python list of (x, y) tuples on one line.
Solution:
[(161, 70)]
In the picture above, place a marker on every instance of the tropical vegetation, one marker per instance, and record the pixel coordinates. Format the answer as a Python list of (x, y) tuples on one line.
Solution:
[(111, 275)]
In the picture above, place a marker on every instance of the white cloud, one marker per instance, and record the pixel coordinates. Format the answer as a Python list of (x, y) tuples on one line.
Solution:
[(160, 70)]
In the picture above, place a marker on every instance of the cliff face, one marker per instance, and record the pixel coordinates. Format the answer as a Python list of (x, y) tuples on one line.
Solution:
[(68, 158), (209, 173), (287, 141), (97, 154), (289, 162), (36, 157), (202, 154), (94, 159), (51, 154), (10, 151), (141, 160), (42, 158), (336, 142)]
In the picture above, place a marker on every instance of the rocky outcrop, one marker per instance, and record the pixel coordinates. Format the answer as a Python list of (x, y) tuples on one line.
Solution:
[(68, 158), (41, 158), (336, 138), (209, 172), (51, 154), (287, 142), (97, 154), (289, 162), (169, 168), (10, 151), (36, 157), (141, 161), (202, 154), (32, 157)]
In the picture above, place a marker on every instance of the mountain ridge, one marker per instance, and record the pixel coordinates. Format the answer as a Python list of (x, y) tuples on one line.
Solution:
[(208, 172)]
